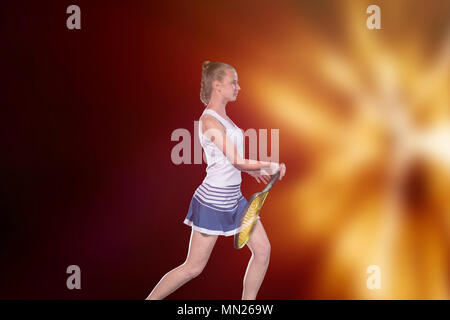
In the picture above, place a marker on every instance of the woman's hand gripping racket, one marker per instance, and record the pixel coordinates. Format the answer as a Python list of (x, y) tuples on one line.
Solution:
[(251, 212)]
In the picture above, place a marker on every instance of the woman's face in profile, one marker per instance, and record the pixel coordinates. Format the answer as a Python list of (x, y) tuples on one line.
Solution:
[(230, 86)]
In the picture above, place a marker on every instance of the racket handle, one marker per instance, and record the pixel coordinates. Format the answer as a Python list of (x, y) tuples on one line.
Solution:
[(272, 181)]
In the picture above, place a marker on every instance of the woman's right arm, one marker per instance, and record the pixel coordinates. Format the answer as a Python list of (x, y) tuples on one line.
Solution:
[(214, 131)]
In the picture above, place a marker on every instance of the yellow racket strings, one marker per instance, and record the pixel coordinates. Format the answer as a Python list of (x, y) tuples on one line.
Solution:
[(250, 218)]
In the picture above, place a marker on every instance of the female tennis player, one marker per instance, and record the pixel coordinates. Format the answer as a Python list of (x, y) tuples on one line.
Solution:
[(217, 203)]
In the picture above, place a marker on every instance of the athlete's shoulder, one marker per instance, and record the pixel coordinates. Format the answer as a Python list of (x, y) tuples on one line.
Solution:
[(208, 121)]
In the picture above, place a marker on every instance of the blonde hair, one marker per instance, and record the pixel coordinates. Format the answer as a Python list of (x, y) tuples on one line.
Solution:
[(211, 71)]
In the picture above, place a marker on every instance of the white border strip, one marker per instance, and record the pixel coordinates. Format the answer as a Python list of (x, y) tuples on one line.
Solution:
[(212, 232)]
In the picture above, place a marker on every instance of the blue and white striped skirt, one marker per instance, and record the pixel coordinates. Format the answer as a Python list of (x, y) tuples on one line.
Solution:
[(216, 210)]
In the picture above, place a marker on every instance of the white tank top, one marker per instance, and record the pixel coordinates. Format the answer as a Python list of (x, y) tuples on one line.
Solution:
[(220, 171)]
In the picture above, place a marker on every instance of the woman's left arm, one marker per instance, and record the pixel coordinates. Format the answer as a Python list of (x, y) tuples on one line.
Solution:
[(258, 176)]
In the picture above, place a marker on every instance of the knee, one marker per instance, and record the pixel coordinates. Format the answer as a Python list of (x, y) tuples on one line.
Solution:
[(261, 252), (192, 271)]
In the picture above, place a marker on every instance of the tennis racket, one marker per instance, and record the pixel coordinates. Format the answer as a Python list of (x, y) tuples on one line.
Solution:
[(251, 212)]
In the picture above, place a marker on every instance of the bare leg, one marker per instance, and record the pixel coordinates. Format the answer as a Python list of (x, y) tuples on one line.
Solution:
[(200, 248), (256, 270)]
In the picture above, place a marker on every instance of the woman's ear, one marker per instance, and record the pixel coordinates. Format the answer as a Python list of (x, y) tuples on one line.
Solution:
[(216, 85)]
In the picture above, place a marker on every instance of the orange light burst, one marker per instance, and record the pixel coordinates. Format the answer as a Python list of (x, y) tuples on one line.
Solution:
[(373, 115)]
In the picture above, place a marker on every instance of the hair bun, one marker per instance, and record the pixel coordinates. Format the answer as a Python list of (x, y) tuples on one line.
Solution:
[(206, 64)]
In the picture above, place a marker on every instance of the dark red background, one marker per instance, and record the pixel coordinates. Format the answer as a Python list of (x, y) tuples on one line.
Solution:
[(87, 175)]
